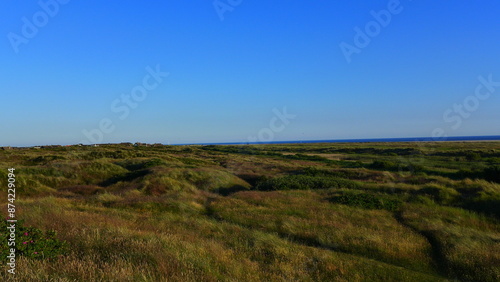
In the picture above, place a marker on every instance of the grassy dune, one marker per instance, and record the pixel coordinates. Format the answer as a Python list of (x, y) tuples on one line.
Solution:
[(301, 212)]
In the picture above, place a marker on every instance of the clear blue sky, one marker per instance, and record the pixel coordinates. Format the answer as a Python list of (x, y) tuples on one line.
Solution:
[(226, 76)]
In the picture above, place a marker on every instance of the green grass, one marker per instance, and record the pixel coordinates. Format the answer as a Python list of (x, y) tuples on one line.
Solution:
[(467, 245), (367, 200), (279, 212), (304, 182), (31, 243)]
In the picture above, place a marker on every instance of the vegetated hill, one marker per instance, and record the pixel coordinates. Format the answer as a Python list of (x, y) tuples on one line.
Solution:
[(327, 212)]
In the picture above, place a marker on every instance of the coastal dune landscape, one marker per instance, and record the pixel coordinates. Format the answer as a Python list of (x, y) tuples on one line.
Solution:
[(235, 140)]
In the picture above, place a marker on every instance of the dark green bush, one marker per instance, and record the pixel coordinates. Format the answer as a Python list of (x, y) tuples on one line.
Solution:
[(307, 158), (367, 201), (304, 182), (118, 154), (492, 173), (493, 161), (384, 165), (44, 159), (138, 164), (472, 156), (313, 171), (443, 195), (392, 166), (486, 204), (31, 242), (415, 168)]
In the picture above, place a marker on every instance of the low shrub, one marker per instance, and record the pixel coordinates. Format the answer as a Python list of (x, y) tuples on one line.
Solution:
[(392, 166), (384, 165), (45, 159), (31, 242), (308, 158), (138, 164), (304, 182), (486, 204), (117, 154), (313, 171), (490, 173), (367, 201), (480, 196), (472, 156), (439, 194)]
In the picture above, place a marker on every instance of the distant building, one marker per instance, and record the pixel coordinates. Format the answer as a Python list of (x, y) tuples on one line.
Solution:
[(139, 144)]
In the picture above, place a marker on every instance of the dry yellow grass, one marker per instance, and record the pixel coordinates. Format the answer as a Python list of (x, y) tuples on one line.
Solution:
[(194, 213), (119, 245), (306, 216)]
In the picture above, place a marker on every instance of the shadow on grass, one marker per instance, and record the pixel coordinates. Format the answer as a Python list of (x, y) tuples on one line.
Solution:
[(231, 190), (438, 258), (126, 177)]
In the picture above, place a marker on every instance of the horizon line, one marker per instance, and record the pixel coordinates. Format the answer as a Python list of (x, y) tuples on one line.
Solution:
[(351, 140)]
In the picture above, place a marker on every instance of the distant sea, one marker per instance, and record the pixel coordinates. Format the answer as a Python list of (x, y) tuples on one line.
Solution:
[(372, 140)]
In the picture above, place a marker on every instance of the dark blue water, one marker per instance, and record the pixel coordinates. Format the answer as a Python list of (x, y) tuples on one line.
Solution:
[(409, 139)]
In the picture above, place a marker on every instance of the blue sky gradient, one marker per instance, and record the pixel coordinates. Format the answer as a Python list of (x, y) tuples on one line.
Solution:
[(226, 76)]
